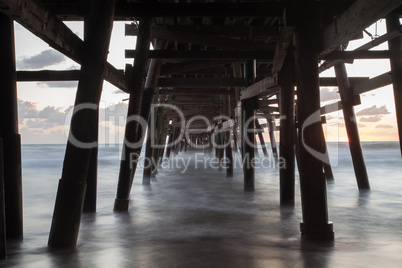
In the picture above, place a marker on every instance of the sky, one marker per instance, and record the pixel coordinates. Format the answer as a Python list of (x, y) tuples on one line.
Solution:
[(45, 107)]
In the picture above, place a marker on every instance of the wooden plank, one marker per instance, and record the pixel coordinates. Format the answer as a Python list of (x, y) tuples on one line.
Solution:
[(48, 75), (331, 81), (127, 10), (171, 34), (205, 55), (374, 83), (228, 31), (358, 54), (190, 66), (112, 75), (284, 41), (201, 82), (38, 19), (355, 19), (268, 109), (197, 91), (330, 108), (283, 44), (268, 85)]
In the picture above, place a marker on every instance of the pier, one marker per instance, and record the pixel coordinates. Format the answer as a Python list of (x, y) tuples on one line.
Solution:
[(208, 78)]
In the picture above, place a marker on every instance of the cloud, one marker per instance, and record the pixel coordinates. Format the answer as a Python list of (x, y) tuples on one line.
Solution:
[(65, 84), (361, 125), (327, 94), (375, 118), (45, 58), (374, 110), (115, 113), (384, 126), (26, 109)]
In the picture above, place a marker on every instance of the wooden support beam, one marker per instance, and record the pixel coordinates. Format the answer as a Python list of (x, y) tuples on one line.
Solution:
[(347, 99), (172, 34), (358, 54), (248, 119), (38, 19), (226, 31), (331, 81), (315, 224), (48, 75), (355, 19), (271, 129), (374, 83), (9, 131), (204, 54), (197, 91), (287, 134), (92, 177), (267, 86), (259, 131), (189, 66), (201, 82), (330, 108), (83, 130), (395, 49), (134, 133), (284, 41), (3, 243), (268, 109), (127, 10), (228, 149)]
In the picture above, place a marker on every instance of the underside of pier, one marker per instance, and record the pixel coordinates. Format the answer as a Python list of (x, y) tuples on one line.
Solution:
[(206, 76)]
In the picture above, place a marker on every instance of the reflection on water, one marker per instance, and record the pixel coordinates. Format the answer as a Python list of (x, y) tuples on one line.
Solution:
[(203, 219)]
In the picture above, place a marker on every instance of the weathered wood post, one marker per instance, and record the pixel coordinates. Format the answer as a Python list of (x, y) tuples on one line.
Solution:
[(347, 99), (92, 178), (82, 137), (260, 132), (248, 120), (146, 177), (130, 155), (315, 224), (395, 49), (228, 148), (287, 134), (271, 129), (3, 244), (9, 131)]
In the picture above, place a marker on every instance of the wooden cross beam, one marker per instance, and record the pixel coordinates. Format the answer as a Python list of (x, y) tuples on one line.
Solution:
[(205, 54), (127, 10), (353, 21), (171, 34), (221, 31), (38, 19)]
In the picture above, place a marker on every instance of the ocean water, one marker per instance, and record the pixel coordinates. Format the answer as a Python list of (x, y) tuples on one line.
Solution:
[(198, 217)]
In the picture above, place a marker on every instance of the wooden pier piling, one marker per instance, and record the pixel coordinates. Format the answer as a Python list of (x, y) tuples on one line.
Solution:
[(260, 132), (72, 185), (271, 129), (349, 116), (9, 131), (3, 243), (92, 177), (395, 50), (247, 107), (130, 155), (315, 224), (287, 134)]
